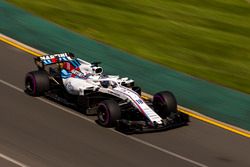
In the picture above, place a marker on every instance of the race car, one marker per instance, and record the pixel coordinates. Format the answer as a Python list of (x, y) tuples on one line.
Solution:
[(116, 101)]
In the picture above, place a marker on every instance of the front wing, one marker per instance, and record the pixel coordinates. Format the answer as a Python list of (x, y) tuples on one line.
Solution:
[(175, 120)]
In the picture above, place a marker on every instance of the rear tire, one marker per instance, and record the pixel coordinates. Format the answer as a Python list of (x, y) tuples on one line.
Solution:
[(164, 104), (108, 112), (36, 83)]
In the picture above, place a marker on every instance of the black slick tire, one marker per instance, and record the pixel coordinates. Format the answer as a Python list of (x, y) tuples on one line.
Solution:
[(36, 83), (108, 112), (164, 104)]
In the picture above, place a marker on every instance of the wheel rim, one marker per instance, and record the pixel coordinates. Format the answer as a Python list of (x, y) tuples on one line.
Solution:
[(103, 114), (160, 108), (29, 85), (158, 103)]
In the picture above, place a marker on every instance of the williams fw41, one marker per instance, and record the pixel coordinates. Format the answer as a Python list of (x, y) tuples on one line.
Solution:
[(116, 101)]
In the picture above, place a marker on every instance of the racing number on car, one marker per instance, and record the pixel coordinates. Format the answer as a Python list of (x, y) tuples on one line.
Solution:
[(139, 101)]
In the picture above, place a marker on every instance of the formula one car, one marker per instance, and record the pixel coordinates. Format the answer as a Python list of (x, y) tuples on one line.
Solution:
[(116, 101)]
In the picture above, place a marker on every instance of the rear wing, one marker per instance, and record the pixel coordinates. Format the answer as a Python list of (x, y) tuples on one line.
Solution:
[(53, 59)]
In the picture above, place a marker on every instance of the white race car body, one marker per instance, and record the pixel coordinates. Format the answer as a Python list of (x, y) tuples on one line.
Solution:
[(82, 85), (77, 86), (128, 94)]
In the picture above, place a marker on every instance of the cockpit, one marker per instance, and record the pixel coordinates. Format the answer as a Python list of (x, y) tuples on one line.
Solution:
[(109, 84)]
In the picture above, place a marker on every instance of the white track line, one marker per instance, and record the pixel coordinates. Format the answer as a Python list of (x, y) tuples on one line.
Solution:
[(127, 136), (18, 163), (161, 149)]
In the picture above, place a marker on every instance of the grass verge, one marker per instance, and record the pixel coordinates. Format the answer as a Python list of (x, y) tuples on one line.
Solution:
[(209, 39)]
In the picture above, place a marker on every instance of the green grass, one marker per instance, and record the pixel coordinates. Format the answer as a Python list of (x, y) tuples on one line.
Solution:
[(209, 39)]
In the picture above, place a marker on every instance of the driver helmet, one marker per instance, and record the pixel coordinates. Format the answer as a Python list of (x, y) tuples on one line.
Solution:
[(105, 84)]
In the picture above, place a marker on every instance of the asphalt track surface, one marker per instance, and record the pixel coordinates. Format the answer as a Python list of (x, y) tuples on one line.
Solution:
[(38, 132)]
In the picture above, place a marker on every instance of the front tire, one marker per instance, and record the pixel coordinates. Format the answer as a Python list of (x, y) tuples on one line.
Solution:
[(108, 112), (36, 83), (164, 104)]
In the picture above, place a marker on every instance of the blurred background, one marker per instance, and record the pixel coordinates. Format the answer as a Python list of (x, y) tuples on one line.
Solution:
[(208, 39)]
